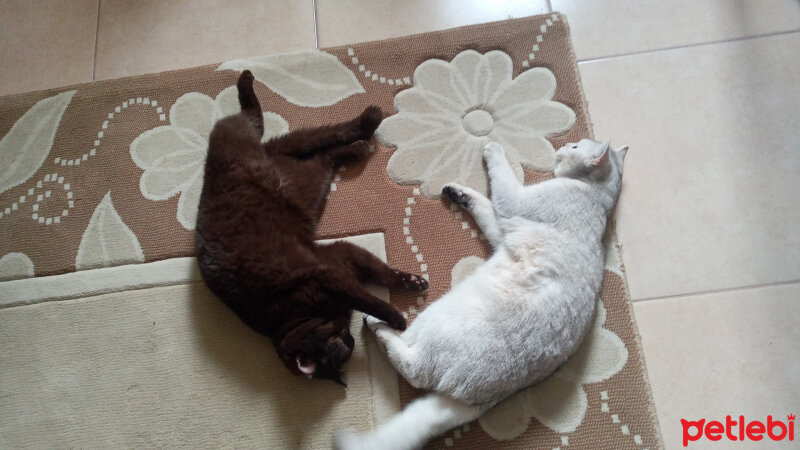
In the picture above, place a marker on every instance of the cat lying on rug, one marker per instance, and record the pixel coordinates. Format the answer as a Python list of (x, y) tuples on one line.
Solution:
[(256, 222), (519, 316)]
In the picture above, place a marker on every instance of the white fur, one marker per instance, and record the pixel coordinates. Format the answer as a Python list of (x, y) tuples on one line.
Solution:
[(519, 316)]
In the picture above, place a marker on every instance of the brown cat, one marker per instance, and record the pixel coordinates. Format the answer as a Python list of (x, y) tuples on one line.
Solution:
[(255, 244)]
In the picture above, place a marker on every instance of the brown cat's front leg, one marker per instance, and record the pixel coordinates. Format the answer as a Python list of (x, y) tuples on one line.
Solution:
[(347, 288), (347, 154), (363, 126), (367, 267)]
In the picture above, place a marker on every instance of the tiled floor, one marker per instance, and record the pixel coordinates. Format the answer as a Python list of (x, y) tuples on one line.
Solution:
[(707, 95)]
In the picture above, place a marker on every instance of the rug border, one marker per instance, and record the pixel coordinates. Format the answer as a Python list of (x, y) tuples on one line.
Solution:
[(172, 271)]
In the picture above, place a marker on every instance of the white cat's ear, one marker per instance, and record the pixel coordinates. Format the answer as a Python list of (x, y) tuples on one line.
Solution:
[(600, 155), (307, 368), (621, 152)]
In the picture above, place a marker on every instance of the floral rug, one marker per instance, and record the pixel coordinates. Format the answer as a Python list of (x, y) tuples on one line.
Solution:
[(99, 185)]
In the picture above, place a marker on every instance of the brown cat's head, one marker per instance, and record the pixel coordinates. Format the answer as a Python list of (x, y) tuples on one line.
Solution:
[(317, 348)]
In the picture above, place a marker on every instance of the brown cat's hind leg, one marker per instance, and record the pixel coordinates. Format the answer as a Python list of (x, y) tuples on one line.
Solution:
[(367, 267), (304, 143)]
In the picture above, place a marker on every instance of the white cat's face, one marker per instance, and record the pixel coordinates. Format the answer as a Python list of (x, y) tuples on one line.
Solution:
[(588, 159)]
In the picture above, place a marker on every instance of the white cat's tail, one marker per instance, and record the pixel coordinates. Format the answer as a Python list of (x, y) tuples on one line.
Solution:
[(422, 420)]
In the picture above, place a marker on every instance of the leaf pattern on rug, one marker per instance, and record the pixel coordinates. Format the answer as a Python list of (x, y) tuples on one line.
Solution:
[(25, 147), (455, 108), (107, 241), (15, 265), (309, 78)]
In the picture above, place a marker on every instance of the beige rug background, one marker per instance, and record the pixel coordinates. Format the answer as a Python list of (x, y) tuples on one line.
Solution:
[(98, 192), (171, 367)]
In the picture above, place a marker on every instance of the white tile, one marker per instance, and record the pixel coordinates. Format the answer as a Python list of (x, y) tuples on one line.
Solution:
[(46, 44), (721, 354), (151, 36), (349, 21), (709, 197), (613, 27)]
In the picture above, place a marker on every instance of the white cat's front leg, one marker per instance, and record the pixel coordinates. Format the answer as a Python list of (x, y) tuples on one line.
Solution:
[(397, 350), (386, 335), (504, 184), (478, 206), (372, 322)]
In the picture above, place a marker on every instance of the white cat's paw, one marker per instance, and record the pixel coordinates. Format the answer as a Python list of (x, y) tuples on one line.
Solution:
[(456, 194), (371, 322), (492, 150)]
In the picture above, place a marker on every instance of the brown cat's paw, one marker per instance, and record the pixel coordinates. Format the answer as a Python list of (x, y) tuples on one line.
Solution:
[(352, 153), (360, 149), (398, 322), (370, 119), (455, 194), (413, 282)]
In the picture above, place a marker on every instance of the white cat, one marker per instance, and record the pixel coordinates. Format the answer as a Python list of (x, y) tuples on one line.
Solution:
[(520, 315)]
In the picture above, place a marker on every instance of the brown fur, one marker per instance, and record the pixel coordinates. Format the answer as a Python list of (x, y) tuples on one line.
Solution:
[(255, 244)]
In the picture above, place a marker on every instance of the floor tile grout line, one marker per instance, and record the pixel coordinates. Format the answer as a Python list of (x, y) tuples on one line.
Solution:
[(718, 291), (316, 24), (96, 38), (679, 47)]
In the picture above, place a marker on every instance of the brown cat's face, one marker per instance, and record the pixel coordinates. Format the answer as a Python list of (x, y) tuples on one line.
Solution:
[(317, 350)]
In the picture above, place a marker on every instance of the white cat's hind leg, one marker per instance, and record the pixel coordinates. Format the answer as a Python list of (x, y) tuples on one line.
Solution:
[(478, 206), (402, 357), (506, 189)]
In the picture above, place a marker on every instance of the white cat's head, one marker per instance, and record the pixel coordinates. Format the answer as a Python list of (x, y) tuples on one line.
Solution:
[(590, 160)]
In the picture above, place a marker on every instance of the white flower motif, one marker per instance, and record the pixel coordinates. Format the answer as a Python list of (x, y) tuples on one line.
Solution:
[(455, 108), (173, 156), (559, 402)]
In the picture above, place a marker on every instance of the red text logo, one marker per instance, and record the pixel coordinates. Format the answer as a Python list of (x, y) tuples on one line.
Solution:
[(738, 430)]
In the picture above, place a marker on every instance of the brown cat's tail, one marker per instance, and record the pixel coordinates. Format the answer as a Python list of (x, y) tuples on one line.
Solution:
[(248, 100)]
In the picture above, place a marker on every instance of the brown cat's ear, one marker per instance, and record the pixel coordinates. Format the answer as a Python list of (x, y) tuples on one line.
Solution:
[(347, 338), (307, 367), (338, 378), (338, 351)]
